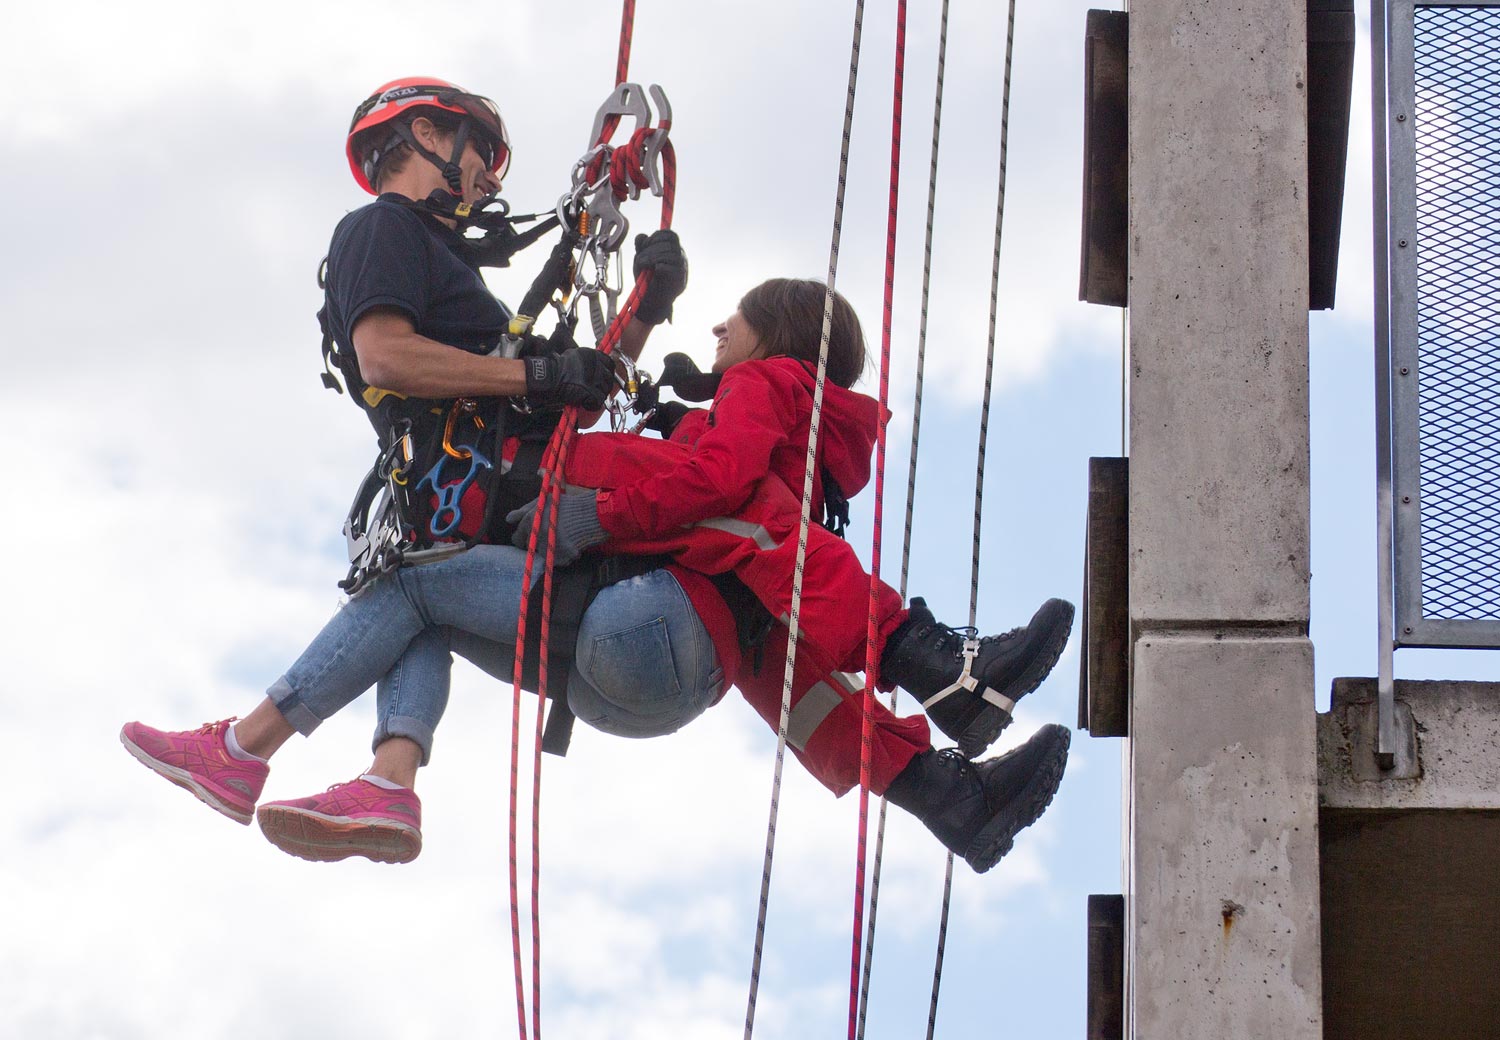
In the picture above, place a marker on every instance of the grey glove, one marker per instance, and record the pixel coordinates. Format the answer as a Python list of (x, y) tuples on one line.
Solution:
[(578, 526), (661, 254), (579, 375)]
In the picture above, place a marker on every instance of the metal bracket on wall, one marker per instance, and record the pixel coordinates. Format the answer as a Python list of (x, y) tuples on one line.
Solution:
[(1104, 664), (1103, 272), (1104, 267), (1106, 993)]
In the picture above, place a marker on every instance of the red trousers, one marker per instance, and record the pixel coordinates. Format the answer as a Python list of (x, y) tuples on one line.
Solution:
[(759, 544)]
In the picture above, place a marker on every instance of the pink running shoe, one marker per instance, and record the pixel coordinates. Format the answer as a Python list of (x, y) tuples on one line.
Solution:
[(199, 761), (354, 819)]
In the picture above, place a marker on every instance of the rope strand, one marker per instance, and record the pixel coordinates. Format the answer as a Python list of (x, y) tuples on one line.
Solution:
[(872, 632), (807, 486), (984, 425), (554, 459), (911, 482)]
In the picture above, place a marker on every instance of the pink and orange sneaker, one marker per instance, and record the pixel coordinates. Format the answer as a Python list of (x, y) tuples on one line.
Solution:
[(354, 819), (199, 761)]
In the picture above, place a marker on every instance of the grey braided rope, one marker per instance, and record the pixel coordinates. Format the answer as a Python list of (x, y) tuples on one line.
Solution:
[(911, 487), (984, 425), (807, 489), (989, 365)]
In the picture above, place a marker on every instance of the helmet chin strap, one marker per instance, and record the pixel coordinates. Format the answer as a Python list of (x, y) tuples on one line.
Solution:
[(452, 172)]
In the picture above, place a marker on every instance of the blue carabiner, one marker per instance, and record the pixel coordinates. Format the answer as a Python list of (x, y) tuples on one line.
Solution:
[(449, 496)]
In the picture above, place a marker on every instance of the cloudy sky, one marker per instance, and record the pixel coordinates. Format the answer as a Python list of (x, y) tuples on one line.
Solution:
[(170, 177)]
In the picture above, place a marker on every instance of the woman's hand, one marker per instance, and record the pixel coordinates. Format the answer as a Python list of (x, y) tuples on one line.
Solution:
[(578, 526)]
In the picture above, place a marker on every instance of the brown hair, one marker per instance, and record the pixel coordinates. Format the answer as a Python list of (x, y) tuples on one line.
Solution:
[(395, 153), (787, 315)]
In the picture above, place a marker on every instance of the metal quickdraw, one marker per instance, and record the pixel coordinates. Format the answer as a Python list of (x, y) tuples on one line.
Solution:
[(373, 530)]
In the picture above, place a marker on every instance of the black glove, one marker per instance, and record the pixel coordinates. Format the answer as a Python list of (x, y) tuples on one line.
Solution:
[(579, 375), (578, 526), (560, 340), (661, 254), (666, 417)]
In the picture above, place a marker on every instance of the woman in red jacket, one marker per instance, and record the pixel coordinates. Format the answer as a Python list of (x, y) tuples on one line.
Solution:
[(717, 497)]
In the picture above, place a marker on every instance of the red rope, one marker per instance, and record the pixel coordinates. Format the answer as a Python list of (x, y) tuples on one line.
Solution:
[(622, 66), (555, 458), (872, 663), (627, 35), (554, 461)]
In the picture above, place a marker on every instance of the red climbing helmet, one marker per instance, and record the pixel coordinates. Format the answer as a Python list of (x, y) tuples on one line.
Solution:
[(407, 97)]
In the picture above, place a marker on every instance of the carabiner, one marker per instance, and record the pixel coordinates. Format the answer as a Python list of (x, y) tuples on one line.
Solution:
[(467, 407)]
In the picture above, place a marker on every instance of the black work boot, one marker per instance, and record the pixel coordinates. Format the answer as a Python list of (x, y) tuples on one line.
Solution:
[(976, 809), (971, 698)]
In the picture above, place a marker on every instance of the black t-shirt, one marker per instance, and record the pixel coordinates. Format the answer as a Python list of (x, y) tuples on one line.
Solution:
[(387, 254)]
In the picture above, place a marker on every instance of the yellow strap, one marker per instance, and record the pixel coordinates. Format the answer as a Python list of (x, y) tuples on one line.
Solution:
[(373, 395)]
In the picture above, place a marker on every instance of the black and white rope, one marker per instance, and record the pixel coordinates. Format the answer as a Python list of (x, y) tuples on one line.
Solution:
[(807, 489), (984, 425)]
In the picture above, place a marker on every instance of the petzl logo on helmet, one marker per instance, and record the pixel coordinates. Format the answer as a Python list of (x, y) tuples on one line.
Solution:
[(399, 92)]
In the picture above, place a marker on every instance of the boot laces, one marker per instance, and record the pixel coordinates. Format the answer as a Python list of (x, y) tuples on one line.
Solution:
[(959, 761), (947, 637), (951, 638)]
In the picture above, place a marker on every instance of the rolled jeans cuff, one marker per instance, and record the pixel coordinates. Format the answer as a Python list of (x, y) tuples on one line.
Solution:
[(289, 702), (415, 730)]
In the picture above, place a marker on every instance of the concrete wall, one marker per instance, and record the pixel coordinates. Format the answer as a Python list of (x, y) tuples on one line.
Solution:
[(1411, 904), (1448, 756), (1218, 312), (1222, 884)]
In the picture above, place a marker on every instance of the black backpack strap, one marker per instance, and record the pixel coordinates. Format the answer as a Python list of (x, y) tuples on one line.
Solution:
[(835, 504), (573, 588), (752, 621), (331, 354), (571, 594)]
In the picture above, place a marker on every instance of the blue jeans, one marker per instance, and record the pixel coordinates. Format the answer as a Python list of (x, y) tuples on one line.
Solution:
[(645, 665)]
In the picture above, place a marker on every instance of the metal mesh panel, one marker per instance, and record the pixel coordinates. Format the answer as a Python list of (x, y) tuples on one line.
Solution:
[(1457, 128)]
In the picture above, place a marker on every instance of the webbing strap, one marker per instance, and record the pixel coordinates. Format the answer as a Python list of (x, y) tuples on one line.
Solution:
[(967, 681)]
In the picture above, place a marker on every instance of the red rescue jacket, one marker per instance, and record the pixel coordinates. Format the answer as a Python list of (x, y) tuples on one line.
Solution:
[(724, 503)]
